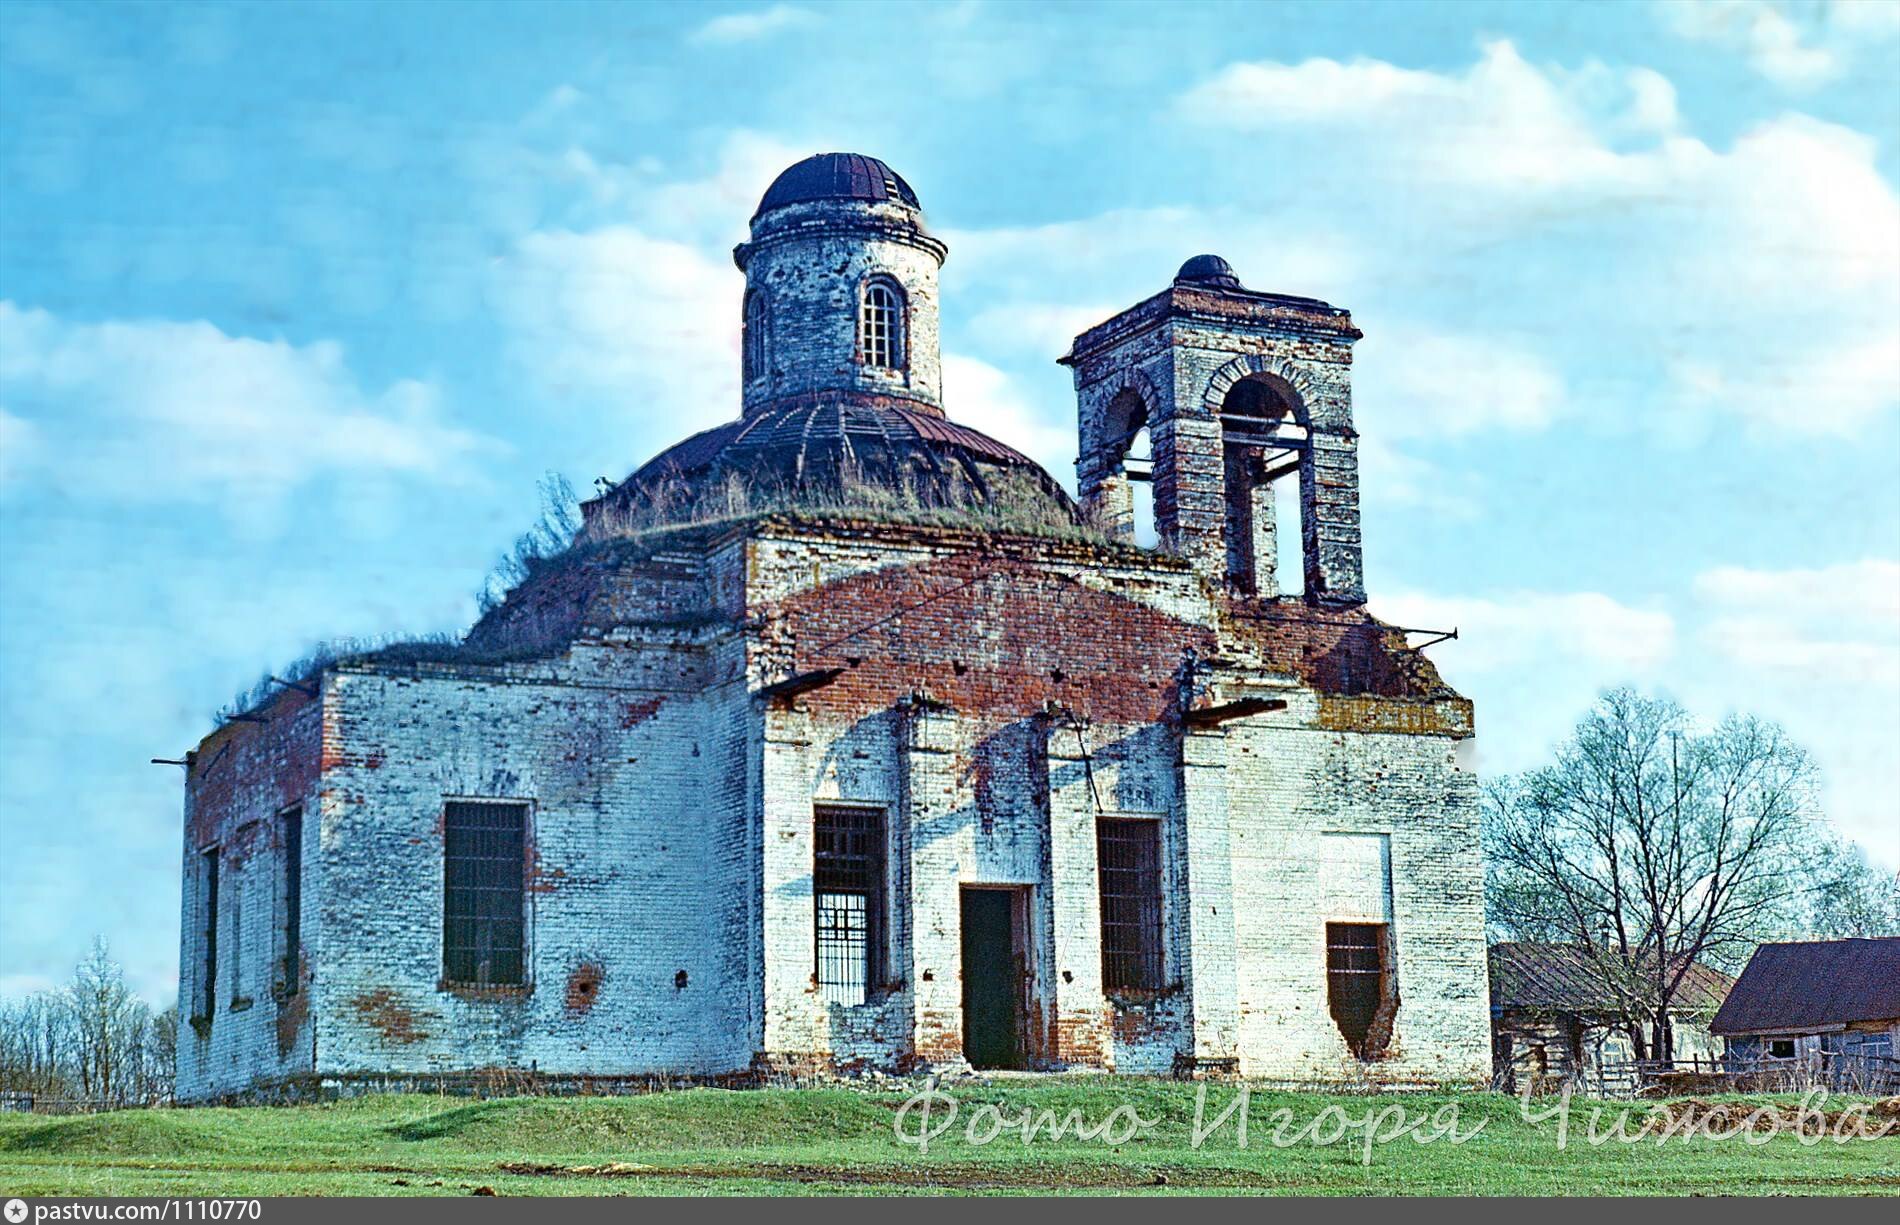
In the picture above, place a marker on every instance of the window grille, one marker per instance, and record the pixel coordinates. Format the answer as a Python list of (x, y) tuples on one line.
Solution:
[(1356, 978), (881, 327), (483, 916), (848, 881), (1128, 856)]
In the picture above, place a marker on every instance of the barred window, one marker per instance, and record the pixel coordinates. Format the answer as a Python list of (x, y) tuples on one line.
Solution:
[(1128, 857), (848, 882), (881, 326), (483, 916), (757, 328), (1356, 983)]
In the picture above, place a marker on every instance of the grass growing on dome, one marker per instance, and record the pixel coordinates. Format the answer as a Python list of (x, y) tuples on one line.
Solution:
[(398, 649), (1004, 502)]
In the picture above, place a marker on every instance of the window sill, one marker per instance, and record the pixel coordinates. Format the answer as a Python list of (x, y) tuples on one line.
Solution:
[(1141, 997), (241, 1004), (494, 993), (876, 997)]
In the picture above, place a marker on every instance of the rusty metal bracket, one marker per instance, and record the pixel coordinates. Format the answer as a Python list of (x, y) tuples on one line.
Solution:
[(803, 682), (1437, 636)]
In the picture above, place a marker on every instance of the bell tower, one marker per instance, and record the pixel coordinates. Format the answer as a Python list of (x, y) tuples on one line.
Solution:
[(1243, 395)]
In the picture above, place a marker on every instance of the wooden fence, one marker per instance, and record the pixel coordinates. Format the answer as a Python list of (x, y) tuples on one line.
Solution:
[(1873, 1075), (16, 1102)]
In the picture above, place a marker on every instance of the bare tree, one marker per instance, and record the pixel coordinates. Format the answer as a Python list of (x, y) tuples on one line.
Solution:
[(91, 1039), (1649, 845), (112, 1031), (36, 1046), (552, 534), (1850, 897), (161, 1057)]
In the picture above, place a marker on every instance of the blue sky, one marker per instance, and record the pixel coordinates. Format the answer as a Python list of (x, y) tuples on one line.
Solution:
[(300, 300)]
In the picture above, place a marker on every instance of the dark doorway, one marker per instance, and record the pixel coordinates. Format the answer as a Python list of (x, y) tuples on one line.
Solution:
[(992, 979)]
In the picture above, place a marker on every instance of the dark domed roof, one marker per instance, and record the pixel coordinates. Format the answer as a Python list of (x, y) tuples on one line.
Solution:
[(842, 452), (836, 176), (1209, 270)]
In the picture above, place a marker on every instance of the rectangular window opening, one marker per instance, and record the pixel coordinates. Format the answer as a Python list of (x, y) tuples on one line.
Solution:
[(848, 883), (235, 879), (484, 918), (1128, 856), (208, 905), (1360, 985), (290, 903)]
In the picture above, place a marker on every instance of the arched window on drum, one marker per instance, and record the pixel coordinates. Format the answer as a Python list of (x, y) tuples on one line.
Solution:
[(881, 339), (757, 338)]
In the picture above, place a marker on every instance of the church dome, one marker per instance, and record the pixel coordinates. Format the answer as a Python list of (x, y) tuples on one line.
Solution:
[(838, 453), (836, 176), (1209, 270)]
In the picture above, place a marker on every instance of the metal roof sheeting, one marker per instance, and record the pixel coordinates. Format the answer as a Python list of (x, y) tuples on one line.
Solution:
[(836, 176), (1560, 978), (1814, 985)]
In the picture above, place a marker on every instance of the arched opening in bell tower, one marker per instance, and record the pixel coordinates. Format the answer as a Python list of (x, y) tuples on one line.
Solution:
[(1125, 503), (1265, 449)]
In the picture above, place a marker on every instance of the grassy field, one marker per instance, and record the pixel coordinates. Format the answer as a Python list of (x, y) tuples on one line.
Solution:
[(843, 1140)]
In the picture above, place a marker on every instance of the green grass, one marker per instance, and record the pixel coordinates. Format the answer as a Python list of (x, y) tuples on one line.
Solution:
[(842, 1140)]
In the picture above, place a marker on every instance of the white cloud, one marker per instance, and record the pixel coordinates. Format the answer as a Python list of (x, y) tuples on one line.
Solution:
[(1123, 254), (1796, 48), (157, 409), (1035, 331), (1834, 625), (1528, 629), (1774, 45), (1413, 381), (541, 170), (1839, 390), (1502, 123), (1397, 477), (1817, 649), (19, 986), (984, 398), (640, 330), (1752, 298), (754, 24), (1533, 661), (716, 207)]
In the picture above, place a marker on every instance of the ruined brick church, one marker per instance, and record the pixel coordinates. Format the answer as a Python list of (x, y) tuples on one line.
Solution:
[(842, 738)]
